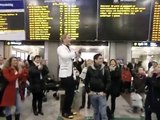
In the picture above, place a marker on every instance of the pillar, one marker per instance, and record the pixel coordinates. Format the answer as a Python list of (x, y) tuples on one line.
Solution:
[(52, 58), (120, 50)]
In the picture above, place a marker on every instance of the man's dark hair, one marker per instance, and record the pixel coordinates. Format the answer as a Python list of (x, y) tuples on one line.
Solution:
[(96, 56), (37, 56)]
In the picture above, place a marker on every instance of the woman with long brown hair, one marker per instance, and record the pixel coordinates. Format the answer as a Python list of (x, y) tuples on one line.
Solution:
[(115, 87), (11, 96)]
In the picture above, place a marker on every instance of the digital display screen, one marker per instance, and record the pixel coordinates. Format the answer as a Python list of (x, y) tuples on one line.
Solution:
[(49, 19), (155, 34), (12, 20), (124, 20)]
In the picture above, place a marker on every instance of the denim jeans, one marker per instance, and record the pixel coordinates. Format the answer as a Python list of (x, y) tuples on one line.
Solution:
[(17, 104), (99, 104)]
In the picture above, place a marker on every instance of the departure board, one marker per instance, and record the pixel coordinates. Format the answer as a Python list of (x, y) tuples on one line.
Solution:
[(125, 20), (12, 20), (156, 21), (49, 19)]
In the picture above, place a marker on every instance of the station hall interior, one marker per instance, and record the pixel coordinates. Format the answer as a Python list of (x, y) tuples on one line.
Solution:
[(126, 32)]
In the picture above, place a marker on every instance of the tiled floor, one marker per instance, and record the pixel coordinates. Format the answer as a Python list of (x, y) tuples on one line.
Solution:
[(51, 109)]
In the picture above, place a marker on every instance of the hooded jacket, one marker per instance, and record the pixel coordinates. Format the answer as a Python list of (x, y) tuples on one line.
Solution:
[(97, 79)]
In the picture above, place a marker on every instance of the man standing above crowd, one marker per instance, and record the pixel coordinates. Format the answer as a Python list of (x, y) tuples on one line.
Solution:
[(97, 83), (66, 56)]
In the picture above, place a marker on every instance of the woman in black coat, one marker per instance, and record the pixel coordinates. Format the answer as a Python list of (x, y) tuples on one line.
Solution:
[(37, 72), (116, 84), (152, 103)]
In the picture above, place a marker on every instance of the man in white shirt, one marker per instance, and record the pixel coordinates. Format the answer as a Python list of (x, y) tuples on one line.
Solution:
[(66, 55)]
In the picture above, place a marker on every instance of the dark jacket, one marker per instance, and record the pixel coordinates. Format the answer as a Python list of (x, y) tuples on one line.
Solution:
[(139, 83), (30, 61), (36, 78), (116, 82), (153, 94), (97, 80)]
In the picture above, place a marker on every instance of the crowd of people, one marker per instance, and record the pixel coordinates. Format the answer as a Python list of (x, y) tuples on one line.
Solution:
[(100, 80), (16, 75)]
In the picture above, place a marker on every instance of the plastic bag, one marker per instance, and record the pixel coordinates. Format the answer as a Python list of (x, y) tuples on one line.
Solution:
[(136, 100)]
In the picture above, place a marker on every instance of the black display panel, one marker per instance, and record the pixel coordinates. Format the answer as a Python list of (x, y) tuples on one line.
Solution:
[(12, 20), (124, 20), (155, 30), (49, 19)]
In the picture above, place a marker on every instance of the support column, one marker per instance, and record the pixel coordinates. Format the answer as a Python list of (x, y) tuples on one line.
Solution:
[(112, 52), (120, 50), (52, 58)]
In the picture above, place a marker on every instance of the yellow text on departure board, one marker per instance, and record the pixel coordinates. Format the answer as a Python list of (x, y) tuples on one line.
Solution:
[(3, 21), (39, 22), (156, 23), (69, 19), (119, 10)]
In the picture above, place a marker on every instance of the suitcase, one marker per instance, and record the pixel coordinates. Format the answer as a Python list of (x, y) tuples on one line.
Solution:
[(61, 101)]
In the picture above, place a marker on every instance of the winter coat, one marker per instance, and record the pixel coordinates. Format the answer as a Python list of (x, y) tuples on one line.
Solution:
[(126, 75), (97, 80), (36, 78), (116, 82), (139, 83), (9, 95), (153, 94)]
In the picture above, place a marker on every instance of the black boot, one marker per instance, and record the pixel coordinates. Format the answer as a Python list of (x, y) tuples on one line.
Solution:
[(17, 116), (41, 113), (9, 117), (35, 110), (1, 112), (35, 113)]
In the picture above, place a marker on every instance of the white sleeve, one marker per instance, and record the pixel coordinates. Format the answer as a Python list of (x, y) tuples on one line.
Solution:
[(64, 54), (83, 73)]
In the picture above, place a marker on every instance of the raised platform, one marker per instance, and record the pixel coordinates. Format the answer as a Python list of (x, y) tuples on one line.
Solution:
[(80, 117), (76, 117)]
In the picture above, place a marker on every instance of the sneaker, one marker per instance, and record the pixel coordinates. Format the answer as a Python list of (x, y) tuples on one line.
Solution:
[(65, 115), (73, 113), (143, 115)]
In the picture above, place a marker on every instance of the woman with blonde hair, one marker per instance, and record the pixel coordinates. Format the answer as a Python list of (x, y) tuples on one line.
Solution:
[(88, 63), (11, 96)]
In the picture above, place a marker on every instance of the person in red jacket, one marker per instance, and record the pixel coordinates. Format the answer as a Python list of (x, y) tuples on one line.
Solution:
[(11, 95), (126, 79), (24, 68)]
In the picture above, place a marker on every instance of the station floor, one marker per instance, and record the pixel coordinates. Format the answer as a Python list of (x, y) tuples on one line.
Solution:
[(51, 109)]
